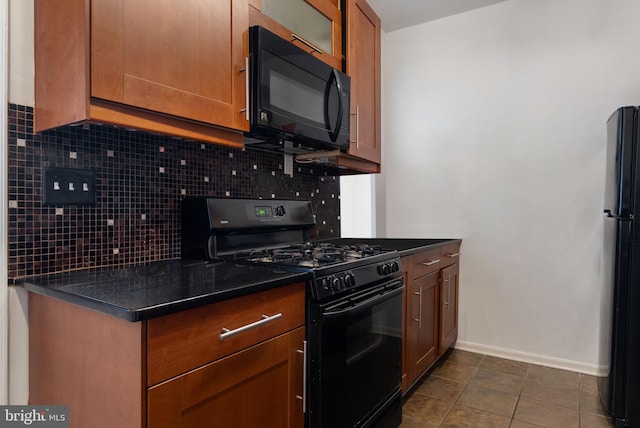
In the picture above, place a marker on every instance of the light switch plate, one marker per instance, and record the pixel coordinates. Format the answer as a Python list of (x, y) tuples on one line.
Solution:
[(67, 186)]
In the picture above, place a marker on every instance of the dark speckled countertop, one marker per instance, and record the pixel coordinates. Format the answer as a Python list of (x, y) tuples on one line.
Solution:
[(404, 246), (159, 288)]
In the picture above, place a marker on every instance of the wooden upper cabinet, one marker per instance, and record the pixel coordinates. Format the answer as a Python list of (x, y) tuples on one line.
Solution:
[(185, 59), (363, 65), (170, 67), (313, 25)]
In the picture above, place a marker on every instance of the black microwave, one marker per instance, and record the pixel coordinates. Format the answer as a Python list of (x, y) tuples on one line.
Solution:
[(297, 102)]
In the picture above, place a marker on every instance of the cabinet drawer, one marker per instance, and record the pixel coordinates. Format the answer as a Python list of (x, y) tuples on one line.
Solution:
[(180, 342), (426, 262), (449, 254), (249, 388)]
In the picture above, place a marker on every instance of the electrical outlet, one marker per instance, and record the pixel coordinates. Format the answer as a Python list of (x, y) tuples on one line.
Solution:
[(66, 186)]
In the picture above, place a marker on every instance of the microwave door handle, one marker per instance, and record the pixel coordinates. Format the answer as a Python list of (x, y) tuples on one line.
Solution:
[(336, 131)]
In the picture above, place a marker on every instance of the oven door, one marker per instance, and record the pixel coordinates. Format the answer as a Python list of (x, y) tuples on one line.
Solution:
[(356, 359)]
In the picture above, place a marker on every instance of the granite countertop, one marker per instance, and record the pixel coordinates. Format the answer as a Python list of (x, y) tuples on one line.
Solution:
[(404, 246), (159, 288), (142, 292)]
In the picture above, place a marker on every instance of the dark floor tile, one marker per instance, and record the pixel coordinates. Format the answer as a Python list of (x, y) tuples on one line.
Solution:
[(595, 421), (502, 365), (462, 416), (458, 372), (413, 422), (472, 390), (464, 357), (489, 400), (588, 383), (590, 403), (522, 424), (554, 377), (442, 388), (426, 409), (565, 397), (498, 381), (545, 414)]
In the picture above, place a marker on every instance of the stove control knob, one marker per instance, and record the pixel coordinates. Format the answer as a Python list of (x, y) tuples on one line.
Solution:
[(395, 267), (279, 210), (349, 280), (335, 284), (384, 269)]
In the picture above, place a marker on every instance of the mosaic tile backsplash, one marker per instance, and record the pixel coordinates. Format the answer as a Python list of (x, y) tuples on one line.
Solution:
[(140, 180)]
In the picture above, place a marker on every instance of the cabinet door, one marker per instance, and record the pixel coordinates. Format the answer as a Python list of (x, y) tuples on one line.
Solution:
[(422, 324), (313, 25), (185, 59), (244, 390), (448, 306), (363, 65)]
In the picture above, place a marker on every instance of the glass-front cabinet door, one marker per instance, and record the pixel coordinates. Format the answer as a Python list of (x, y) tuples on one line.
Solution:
[(313, 25)]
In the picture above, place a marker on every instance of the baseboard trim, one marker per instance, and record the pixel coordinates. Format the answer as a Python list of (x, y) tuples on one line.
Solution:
[(526, 357)]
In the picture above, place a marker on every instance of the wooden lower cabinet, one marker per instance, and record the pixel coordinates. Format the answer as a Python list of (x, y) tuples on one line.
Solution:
[(422, 323), (448, 307), (431, 309), (174, 370), (246, 389)]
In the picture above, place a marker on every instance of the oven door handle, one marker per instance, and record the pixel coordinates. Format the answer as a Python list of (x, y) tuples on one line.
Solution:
[(335, 314)]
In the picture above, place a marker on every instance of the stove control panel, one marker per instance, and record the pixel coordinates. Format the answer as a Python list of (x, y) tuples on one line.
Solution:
[(343, 282), (388, 268), (336, 283), (269, 211)]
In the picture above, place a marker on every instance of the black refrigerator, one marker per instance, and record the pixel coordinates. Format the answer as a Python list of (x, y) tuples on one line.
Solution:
[(619, 387)]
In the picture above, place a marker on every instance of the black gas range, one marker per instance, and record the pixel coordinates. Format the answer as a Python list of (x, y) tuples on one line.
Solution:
[(339, 269), (353, 309)]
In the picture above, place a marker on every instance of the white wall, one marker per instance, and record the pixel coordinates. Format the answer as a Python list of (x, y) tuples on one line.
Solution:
[(4, 317), (21, 91), (357, 206), (21, 59), (494, 132)]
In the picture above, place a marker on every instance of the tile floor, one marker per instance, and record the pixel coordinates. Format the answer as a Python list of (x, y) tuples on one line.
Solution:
[(473, 390)]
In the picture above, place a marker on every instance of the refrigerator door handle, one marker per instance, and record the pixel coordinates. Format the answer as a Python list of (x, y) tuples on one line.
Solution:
[(628, 217)]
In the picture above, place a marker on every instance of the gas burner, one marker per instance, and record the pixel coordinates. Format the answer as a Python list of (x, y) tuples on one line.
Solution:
[(291, 257), (326, 256), (369, 249), (315, 254)]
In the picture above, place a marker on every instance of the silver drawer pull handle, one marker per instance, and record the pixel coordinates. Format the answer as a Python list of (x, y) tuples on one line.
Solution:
[(265, 319), (304, 377), (452, 255), (431, 262)]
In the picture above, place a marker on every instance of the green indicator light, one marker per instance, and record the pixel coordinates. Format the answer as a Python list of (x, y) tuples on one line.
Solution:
[(262, 212)]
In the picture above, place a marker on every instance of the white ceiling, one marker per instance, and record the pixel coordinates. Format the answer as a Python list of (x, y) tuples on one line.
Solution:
[(396, 14)]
